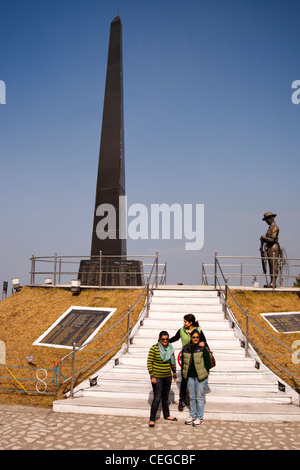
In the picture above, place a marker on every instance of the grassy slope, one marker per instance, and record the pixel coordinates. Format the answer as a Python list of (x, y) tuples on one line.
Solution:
[(27, 314), (269, 302)]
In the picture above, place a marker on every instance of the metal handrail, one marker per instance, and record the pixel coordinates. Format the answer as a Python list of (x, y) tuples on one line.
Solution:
[(284, 264), (58, 260), (75, 350), (245, 333)]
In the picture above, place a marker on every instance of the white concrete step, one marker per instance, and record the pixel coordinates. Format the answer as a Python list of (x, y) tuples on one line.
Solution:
[(172, 309), (185, 293), (209, 334), (211, 323), (127, 371), (214, 343), (144, 391), (213, 411), (231, 355), (184, 301), (240, 364)]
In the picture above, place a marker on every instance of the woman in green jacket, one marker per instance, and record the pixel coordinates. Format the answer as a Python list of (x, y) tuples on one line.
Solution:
[(195, 366), (184, 333)]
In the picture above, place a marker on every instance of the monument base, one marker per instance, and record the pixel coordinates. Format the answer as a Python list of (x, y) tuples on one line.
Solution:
[(114, 272)]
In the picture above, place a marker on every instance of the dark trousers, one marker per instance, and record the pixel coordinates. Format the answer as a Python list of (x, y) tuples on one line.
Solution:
[(183, 387), (161, 392)]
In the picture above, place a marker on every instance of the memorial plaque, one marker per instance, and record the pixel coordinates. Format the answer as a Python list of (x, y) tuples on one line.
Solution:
[(77, 325), (284, 322), (113, 273)]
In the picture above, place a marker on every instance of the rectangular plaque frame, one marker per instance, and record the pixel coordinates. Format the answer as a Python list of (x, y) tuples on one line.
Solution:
[(68, 329), (284, 320)]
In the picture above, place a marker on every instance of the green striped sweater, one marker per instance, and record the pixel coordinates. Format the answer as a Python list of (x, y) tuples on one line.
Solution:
[(156, 367)]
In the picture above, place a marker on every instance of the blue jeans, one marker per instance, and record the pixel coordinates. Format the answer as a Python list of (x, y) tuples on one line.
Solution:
[(196, 390)]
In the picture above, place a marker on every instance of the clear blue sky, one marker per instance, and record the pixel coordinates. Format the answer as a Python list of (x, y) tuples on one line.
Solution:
[(208, 120)]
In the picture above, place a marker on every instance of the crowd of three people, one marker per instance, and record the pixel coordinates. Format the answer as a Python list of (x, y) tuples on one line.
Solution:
[(195, 366)]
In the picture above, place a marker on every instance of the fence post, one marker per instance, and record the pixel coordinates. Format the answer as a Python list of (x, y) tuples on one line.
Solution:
[(156, 275), (100, 270), (247, 333), (226, 293), (216, 253), (148, 295), (32, 274), (59, 271), (241, 273), (72, 371), (128, 326), (54, 273)]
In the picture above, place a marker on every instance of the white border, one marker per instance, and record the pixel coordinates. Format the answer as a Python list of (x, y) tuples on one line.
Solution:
[(279, 313), (39, 343)]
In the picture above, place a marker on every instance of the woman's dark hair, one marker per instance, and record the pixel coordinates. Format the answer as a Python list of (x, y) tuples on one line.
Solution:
[(193, 332), (163, 333), (191, 318)]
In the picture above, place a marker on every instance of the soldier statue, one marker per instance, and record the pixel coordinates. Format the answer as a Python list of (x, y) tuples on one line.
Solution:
[(272, 251)]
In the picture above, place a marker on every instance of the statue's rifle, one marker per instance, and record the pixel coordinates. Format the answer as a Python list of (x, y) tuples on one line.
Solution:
[(263, 258)]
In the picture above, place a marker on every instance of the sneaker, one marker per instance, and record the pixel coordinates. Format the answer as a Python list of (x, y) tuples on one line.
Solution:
[(181, 405), (190, 420), (198, 422)]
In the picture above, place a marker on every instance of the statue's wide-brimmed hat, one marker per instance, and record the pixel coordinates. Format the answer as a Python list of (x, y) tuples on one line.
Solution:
[(267, 215)]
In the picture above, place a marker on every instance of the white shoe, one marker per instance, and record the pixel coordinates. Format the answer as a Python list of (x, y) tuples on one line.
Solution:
[(198, 422), (190, 420)]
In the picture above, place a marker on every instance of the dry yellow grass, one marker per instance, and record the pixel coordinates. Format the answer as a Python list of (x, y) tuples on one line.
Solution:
[(269, 302), (26, 315)]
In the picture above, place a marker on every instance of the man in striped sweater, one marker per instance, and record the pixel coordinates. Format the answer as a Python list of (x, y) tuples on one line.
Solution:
[(161, 365)]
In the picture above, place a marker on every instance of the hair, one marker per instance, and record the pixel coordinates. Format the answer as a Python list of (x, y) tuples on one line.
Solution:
[(163, 333), (193, 332), (191, 318)]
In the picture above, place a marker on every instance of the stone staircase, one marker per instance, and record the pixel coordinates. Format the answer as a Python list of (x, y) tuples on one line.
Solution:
[(237, 390)]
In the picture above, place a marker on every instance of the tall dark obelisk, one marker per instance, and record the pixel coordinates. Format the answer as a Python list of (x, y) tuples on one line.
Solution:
[(112, 268), (111, 168)]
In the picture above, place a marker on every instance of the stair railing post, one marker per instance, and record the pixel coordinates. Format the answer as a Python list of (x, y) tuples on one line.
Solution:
[(72, 371), (128, 326), (156, 274), (148, 297), (226, 294), (216, 253), (247, 333)]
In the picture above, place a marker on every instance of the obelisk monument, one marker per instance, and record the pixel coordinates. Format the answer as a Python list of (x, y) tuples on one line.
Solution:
[(111, 167), (108, 264)]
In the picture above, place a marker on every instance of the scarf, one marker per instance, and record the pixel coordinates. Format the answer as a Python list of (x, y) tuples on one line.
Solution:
[(166, 353)]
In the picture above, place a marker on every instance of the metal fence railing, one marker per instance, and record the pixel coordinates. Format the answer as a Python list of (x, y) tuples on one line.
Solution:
[(29, 380), (61, 270), (247, 270), (248, 338)]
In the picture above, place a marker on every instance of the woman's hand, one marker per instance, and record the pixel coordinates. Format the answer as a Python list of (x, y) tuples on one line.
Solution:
[(153, 380)]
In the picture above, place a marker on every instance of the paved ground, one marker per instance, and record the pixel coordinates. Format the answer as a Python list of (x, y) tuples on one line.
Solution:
[(27, 428)]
